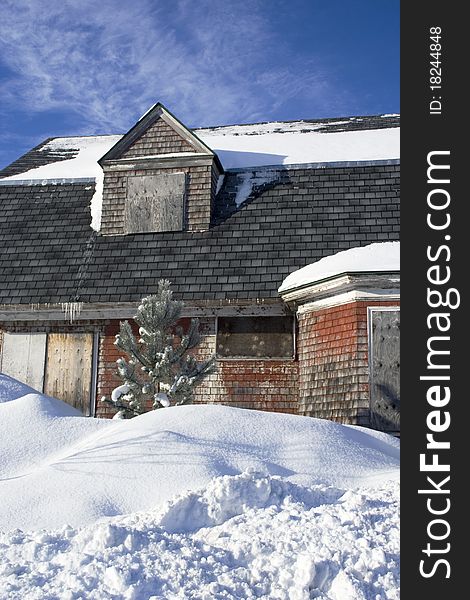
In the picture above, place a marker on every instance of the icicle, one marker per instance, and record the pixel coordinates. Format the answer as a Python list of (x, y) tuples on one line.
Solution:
[(220, 182), (71, 310)]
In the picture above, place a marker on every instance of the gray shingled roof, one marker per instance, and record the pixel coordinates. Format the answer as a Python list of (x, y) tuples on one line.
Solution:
[(329, 125), (49, 254), (37, 157)]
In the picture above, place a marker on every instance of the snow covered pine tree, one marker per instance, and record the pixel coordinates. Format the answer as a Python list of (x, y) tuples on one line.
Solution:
[(159, 368)]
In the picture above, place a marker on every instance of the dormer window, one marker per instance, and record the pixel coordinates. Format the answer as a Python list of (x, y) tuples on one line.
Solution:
[(155, 203), (158, 177)]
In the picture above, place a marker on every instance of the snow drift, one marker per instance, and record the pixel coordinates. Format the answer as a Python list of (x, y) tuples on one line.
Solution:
[(195, 502), (103, 468)]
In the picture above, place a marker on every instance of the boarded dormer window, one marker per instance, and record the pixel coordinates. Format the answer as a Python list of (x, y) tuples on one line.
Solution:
[(155, 203), (158, 177)]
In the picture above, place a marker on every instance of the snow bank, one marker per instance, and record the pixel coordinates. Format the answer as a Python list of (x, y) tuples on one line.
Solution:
[(102, 467), (34, 429), (221, 503), (383, 256), (227, 496), (261, 538), (10, 388)]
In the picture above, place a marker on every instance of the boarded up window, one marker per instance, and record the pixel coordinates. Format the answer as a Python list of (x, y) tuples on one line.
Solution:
[(255, 337), (69, 369), (155, 203), (384, 348), (23, 356)]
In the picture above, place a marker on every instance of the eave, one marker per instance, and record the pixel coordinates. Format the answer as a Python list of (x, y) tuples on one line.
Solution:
[(94, 311)]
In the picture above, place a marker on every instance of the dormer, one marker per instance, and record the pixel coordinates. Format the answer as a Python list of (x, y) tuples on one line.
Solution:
[(159, 177)]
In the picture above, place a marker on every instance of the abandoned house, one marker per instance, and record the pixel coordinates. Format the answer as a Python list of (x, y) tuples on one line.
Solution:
[(265, 232)]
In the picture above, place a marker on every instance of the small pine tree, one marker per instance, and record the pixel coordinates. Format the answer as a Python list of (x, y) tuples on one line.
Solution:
[(159, 368)]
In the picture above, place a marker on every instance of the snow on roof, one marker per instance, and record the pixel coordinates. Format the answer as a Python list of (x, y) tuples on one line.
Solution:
[(237, 146), (83, 165), (298, 142), (384, 256)]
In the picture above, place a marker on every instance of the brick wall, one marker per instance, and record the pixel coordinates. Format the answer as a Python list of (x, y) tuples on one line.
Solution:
[(333, 362), (107, 376), (199, 186), (160, 138), (257, 384)]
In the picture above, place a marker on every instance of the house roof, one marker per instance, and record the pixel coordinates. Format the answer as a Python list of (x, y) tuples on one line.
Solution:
[(293, 193), (238, 146), (49, 253)]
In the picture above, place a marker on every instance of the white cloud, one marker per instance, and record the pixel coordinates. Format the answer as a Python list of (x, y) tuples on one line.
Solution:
[(108, 61)]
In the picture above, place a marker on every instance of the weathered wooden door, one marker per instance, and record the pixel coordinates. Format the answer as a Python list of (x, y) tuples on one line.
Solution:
[(23, 357), (69, 369), (384, 362)]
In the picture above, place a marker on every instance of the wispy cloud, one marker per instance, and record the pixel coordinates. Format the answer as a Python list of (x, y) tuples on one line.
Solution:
[(108, 61)]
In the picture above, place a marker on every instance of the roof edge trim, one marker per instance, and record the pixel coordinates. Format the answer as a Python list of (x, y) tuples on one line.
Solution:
[(384, 162)]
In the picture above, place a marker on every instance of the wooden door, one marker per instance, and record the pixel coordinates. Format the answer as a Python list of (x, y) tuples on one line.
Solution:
[(69, 369), (384, 361), (23, 356)]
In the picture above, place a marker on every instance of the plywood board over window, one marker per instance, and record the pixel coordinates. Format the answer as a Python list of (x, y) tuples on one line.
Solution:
[(155, 203), (23, 356), (69, 369), (255, 337)]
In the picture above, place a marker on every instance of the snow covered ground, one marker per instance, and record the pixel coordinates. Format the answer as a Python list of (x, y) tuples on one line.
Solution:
[(199, 502)]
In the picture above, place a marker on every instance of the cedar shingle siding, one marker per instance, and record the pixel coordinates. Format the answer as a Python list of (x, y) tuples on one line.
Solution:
[(158, 139)]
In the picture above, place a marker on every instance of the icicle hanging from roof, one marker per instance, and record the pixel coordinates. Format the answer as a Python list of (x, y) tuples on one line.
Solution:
[(71, 310)]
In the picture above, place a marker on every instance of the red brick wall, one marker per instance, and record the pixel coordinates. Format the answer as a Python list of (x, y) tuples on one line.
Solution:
[(107, 371), (160, 138), (333, 362), (256, 384)]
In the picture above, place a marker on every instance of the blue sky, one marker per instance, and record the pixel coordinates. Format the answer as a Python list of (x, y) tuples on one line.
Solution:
[(82, 67)]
